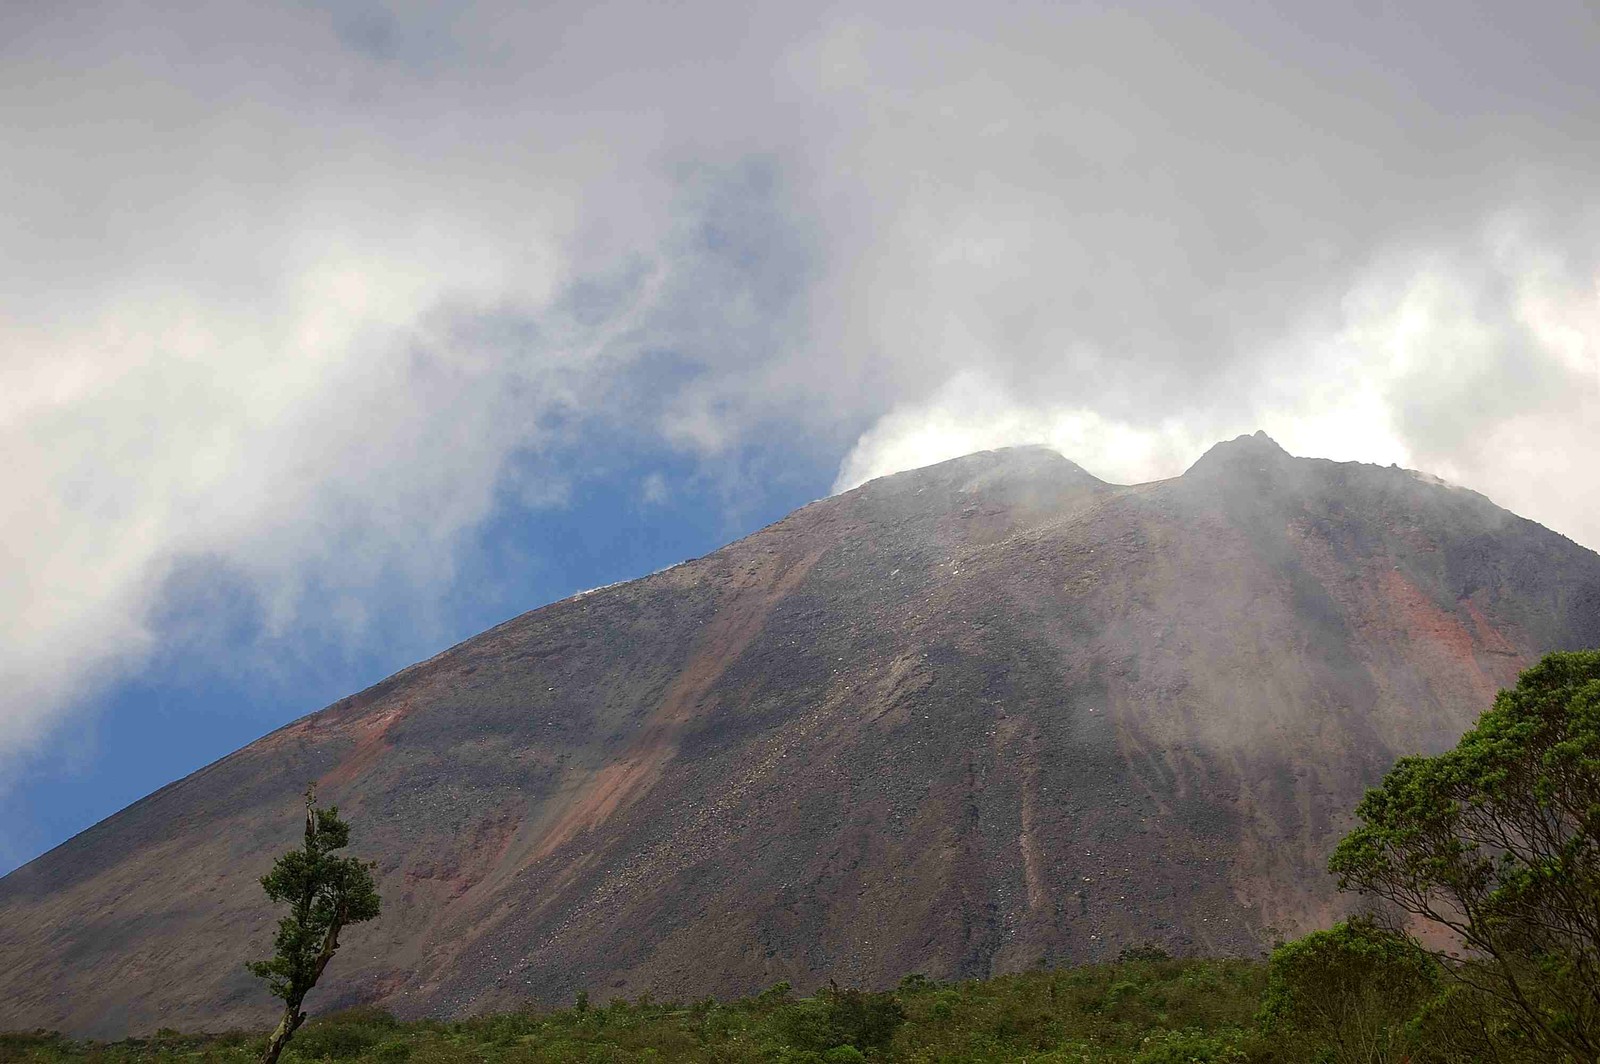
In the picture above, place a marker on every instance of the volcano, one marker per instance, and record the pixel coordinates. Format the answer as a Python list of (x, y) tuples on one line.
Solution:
[(959, 721)]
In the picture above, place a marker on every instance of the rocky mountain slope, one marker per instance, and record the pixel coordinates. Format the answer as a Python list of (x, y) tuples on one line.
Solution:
[(956, 721)]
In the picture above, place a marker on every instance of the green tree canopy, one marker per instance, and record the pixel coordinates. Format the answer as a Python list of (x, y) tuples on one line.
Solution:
[(1498, 841)]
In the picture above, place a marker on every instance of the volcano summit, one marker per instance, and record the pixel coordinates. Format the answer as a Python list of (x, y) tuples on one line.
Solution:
[(955, 721)]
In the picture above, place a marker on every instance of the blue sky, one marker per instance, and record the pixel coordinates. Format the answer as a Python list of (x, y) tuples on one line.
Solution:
[(335, 331), (205, 695)]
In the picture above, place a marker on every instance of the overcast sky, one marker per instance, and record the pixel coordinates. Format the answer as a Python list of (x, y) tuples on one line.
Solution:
[(333, 333)]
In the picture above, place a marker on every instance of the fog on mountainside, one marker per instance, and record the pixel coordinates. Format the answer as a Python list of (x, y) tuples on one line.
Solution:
[(954, 721)]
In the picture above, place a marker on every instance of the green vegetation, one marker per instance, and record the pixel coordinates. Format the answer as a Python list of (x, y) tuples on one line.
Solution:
[(325, 894), (1494, 845), (1146, 1010), (1346, 995)]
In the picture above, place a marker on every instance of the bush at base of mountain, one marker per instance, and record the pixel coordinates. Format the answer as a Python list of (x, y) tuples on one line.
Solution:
[(1144, 1011), (1309, 998), (836, 1019), (1347, 995)]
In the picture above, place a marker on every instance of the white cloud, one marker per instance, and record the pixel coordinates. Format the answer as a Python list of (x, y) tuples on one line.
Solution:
[(324, 384), (294, 288), (971, 413), (279, 433), (1481, 366)]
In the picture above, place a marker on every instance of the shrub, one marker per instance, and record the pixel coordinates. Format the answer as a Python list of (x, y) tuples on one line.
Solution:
[(1191, 1047), (779, 993), (836, 1017), (392, 1052), (333, 1042), (1348, 992), (844, 1055), (916, 983)]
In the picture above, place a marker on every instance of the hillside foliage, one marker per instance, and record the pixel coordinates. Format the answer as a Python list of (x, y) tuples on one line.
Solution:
[(1149, 1010), (1353, 993)]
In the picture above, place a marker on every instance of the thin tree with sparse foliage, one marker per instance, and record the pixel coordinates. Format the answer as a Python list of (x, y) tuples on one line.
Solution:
[(326, 894)]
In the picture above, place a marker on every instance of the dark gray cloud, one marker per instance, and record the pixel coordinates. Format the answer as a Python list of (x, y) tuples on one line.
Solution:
[(291, 286)]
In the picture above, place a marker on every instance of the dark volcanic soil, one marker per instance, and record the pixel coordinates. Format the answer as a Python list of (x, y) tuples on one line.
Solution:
[(955, 721)]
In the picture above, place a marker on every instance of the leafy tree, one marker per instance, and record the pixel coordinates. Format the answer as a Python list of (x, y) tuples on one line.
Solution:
[(1144, 953), (325, 894), (1347, 993), (859, 1018), (1498, 842)]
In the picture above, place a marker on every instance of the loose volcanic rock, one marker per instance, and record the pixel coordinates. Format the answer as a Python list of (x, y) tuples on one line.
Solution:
[(954, 721)]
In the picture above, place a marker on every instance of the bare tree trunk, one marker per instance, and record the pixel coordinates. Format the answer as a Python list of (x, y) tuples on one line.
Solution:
[(292, 1019)]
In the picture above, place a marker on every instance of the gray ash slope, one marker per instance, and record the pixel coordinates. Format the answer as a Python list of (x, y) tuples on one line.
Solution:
[(956, 721)]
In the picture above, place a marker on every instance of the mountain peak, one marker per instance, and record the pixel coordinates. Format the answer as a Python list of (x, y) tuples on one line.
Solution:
[(1254, 452), (979, 497), (1257, 442), (1026, 464)]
